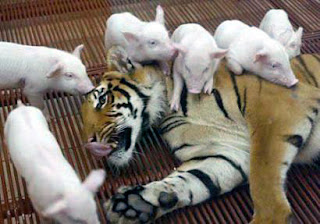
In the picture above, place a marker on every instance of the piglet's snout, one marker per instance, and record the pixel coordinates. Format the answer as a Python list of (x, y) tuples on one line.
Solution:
[(85, 87), (290, 80), (194, 91)]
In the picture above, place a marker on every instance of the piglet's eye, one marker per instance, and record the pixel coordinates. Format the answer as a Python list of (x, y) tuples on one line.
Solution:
[(152, 42), (293, 45), (275, 65), (69, 75)]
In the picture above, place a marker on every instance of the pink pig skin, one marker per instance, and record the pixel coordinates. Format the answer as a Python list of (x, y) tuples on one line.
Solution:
[(197, 61), (143, 41), (54, 188), (276, 23), (42, 69)]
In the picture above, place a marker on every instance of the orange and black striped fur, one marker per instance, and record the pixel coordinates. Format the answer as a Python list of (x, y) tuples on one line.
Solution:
[(248, 129)]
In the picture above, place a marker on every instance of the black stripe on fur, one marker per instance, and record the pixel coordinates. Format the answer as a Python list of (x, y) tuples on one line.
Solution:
[(172, 125), (232, 163), (123, 92), (219, 101), (169, 118), (243, 110), (183, 100), (308, 72), (295, 140), (213, 189), (316, 57), (236, 90), (175, 149)]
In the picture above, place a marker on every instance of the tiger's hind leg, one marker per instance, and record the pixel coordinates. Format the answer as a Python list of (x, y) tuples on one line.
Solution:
[(272, 153), (195, 181)]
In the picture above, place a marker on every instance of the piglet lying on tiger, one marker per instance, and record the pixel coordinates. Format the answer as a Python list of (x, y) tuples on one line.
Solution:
[(246, 130)]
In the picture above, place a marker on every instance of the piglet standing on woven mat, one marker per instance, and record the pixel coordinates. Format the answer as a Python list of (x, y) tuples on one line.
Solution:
[(276, 23), (143, 41), (253, 50), (41, 69), (54, 188), (197, 61)]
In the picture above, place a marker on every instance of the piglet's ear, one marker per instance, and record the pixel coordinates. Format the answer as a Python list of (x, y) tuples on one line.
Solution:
[(160, 15), (260, 56), (55, 70), (94, 180), (131, 37), (77, 51), (285, 36), (299, 33), (219, 53), (56, 208)]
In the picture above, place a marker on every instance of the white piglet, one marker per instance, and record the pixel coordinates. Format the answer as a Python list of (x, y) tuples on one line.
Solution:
[(276, 23), (41, 69), (54, 188), (143, 41), (197, 61), (255, 51), (228, 31)]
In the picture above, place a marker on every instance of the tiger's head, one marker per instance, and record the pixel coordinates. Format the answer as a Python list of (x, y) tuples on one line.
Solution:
[(117, 111)]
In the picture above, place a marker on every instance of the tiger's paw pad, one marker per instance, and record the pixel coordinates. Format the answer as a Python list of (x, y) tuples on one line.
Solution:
[(128, 206)]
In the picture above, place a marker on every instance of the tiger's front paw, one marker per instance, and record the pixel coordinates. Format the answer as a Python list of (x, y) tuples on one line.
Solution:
[(128, 206)]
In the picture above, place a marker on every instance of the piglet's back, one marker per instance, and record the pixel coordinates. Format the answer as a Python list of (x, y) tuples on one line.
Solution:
[(31, 145), (248, 43)]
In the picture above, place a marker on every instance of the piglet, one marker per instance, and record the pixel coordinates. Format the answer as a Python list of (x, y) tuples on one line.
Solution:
[(41, 69), (228, 31), (255, 51), (196, 62), (276, 23), (54, 188), (143, 41)]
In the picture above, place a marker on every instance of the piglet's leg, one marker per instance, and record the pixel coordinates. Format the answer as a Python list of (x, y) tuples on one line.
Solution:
[(234, 66), (136, 65), (164, 67), (177, 90), (208, 86)]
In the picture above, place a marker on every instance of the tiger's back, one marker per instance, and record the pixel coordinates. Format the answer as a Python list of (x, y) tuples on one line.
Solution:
[(239, 105)]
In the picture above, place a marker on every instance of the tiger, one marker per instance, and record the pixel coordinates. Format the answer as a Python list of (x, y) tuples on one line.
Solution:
[(248, 130)]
